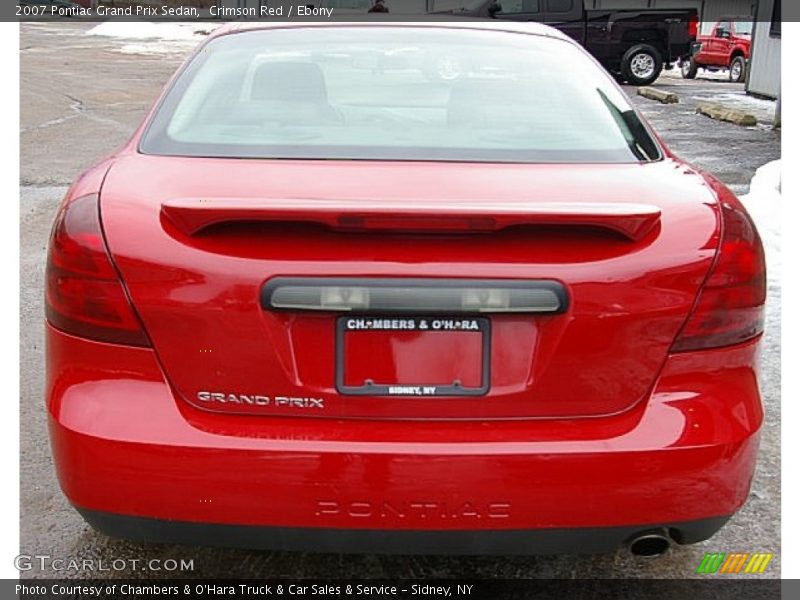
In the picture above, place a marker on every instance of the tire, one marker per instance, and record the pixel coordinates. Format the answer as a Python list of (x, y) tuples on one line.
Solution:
[(689, 68), (738, 69), (641, 64)]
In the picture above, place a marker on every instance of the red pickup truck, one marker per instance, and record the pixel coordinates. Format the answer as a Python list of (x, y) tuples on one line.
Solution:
[(726, 47)]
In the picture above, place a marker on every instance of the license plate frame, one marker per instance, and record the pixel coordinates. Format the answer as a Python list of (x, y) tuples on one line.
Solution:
[(414, 390)]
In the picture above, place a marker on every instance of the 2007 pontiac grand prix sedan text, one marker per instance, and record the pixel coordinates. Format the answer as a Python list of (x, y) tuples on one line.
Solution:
[(402, 288)]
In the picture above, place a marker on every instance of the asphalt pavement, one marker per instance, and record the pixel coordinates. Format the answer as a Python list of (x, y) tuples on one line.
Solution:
[(81, 96)]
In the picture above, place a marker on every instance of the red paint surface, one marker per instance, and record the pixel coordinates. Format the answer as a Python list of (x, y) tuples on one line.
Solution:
[(719, 51), (198, 295), (589, 420), (124, 443)]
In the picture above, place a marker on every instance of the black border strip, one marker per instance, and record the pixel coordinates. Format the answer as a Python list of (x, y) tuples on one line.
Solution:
[(582, 540), (556, 287), (8, 10)]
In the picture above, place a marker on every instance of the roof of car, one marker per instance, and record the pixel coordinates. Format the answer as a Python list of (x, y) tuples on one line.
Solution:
[(446, 23)]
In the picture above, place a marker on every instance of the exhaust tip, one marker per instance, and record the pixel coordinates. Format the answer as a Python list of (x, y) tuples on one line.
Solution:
[(651, 544)]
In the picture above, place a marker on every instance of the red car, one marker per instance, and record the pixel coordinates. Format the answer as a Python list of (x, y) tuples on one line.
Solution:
[(317, 302), (727, 47)]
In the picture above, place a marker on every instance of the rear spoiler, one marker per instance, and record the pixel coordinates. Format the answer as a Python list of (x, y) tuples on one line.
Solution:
[(193, 215)]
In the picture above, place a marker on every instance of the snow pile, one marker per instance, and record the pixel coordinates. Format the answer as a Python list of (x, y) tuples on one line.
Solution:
[(145, 30), (763, 202), (156, 48), (154, 38)]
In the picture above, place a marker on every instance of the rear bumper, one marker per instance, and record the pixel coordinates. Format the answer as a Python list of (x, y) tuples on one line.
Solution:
[(590, 540), (141, 463)]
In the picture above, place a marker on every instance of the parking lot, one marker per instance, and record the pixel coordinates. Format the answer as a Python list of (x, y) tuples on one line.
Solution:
[(82, 95)]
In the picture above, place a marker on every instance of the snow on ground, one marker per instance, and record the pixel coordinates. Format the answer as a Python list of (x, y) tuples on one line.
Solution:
[(730, 96), (156, 47), (139, 30), (675, 73), (761, 109), (763, 202), (153, 38)]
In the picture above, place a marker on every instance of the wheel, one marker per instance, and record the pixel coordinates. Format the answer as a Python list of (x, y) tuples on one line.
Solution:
[(642, 64), (737, 69), (688, 68)]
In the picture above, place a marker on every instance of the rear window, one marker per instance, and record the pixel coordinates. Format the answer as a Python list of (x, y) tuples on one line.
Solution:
[(396, 93), (743, 27)]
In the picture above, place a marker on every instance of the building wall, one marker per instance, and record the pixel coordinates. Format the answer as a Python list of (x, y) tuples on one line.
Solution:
[(764, 78)]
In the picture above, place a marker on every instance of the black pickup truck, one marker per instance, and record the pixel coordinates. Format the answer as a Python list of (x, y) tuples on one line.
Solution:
[(633, 44)]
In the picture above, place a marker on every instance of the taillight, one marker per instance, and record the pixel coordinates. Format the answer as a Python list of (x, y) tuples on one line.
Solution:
[(730, 307), (84, 295), (694, 26)]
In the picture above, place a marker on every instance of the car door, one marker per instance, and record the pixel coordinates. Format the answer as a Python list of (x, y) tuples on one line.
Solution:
[(742, 35), (720, 43), (566, 16)]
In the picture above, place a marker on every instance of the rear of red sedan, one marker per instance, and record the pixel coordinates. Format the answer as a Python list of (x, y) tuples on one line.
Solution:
[(325, 299)]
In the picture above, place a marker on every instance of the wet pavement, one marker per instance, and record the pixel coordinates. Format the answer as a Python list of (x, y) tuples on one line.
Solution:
[(82, 96)]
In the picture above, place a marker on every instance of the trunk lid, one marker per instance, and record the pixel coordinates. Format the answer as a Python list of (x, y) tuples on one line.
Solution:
[(196, 241)]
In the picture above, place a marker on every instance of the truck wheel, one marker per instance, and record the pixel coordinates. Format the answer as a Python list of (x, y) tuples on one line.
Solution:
[(642, 64), (688, 68), (737, 69)]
